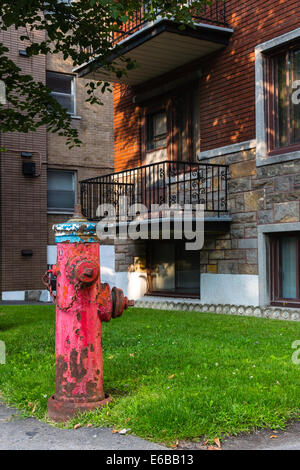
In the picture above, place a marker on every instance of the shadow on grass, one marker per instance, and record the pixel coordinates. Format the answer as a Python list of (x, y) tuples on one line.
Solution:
[(117, 393)]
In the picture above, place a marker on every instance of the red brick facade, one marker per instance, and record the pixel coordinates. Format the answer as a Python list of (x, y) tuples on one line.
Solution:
[(23, 198), (25, 224), (227, 86)]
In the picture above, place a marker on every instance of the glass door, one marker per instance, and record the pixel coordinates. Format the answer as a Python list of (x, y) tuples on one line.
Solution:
[(173, 270)]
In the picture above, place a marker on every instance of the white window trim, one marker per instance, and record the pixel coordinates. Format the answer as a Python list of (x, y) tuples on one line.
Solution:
[(73, 93), (62, 212), (228, 149), (262, 157)]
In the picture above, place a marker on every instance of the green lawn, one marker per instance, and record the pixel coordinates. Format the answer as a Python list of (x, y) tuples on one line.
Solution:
[(172, 375)]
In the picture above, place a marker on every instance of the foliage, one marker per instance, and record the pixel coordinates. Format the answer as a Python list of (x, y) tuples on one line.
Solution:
[(78, 30)]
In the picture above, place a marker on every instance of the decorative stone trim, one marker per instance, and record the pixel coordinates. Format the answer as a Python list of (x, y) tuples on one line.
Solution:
[(228, 149), (251, 311)]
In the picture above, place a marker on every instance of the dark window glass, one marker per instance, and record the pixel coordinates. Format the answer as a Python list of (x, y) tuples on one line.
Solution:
[(285, 264), (60, 190), (63, 89), (288, 255), (286, 111), (156, 130), (174, 270)]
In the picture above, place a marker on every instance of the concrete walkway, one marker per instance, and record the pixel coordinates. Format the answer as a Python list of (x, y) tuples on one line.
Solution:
[(30, 434), (264, 439)]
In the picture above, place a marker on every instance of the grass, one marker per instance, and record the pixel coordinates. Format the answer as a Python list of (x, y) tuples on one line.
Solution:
[(172, 375)]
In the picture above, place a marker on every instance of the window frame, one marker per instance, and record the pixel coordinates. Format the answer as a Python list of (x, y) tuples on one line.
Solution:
[(271, 101), (275, 268), (149, 116), (73, 90), (56, 210)]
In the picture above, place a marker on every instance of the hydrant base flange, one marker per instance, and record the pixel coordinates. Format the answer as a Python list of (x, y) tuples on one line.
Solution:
[(61, 410)]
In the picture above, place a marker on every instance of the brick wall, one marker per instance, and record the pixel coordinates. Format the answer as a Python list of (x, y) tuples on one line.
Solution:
[(23, 199), (95, 127), (227, 97), (24, 220), (127, 136), (227, 86)]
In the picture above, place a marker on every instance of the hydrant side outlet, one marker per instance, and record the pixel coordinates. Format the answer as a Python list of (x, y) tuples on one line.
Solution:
[(82, 303)]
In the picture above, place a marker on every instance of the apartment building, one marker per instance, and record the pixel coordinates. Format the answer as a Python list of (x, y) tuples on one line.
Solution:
[(210, 116), (40, 175)]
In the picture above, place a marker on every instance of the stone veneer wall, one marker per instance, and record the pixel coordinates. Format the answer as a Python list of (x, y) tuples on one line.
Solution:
[(256, 195), (126, 251)]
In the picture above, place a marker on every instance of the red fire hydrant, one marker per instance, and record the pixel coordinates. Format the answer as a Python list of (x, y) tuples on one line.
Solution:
[(82, 303)]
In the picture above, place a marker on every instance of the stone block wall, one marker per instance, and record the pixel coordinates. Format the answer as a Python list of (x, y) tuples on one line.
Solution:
[(256, 195), (125, 253)]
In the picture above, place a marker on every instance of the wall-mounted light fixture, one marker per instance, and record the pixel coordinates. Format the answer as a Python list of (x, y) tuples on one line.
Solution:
[(26, 154)]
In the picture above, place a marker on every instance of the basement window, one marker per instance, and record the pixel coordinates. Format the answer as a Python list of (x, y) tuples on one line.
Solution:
[(61, 191), (285, 270), (63, 90)]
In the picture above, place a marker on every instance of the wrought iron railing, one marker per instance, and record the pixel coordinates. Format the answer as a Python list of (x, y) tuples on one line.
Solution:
[(160, 183), (214, 13)]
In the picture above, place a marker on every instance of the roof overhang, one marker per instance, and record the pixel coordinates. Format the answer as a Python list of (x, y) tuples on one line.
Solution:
[(158, 48)]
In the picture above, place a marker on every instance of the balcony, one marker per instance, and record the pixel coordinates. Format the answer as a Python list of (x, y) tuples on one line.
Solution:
[(169, 183), (160, 46)]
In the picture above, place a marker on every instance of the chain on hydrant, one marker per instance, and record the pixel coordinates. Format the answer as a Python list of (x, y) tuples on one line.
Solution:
[(82, 304)]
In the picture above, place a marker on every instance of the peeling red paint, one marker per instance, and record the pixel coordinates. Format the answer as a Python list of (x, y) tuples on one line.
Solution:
[(82, 303)]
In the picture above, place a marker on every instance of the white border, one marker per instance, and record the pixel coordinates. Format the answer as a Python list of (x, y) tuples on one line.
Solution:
[(234, 148)]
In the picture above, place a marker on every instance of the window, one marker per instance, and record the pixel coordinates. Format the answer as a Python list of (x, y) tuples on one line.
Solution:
[(284, 263), (173, 270), (172, 126), (284, 113), (63, 90), (61, 188), (156, 130)]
